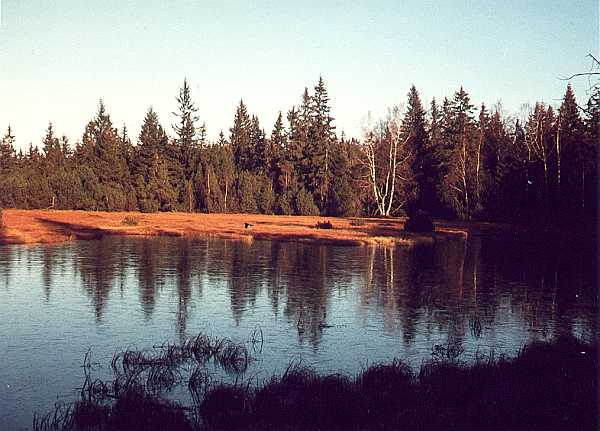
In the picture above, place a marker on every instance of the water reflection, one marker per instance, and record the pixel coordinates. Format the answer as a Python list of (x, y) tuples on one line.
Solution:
[(458, 288)]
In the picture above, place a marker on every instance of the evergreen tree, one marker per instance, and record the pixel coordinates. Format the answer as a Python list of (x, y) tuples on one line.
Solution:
[(321, 138), (155, 187), (457, 136), (241, 140), (187, 142), (225, 165), (103, 167), (572, 155), (343, 200), (592, 128), (277, 148), (7, 151), (414, 129), (260, 157)]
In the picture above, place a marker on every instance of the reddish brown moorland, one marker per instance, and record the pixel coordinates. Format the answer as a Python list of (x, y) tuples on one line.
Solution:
[(49, 226)]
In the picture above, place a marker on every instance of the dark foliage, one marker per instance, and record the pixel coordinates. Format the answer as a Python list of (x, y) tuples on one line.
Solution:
[(548, 386), (420, 222), (455, 161), (324, 225)]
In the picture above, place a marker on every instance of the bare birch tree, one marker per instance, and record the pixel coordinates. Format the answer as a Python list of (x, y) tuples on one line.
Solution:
[(538, 142), (387, 160)]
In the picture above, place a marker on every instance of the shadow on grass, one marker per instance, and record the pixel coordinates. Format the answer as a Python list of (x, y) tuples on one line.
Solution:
[(72, 229), (547, 386)]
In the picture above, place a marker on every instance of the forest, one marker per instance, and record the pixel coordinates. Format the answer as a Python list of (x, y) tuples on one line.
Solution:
[(452, 160)]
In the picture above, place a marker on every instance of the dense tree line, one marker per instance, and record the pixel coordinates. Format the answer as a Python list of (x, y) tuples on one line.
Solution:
[(452, 160)]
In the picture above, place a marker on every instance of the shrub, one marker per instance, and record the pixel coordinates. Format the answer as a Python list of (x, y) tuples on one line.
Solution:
[(420, 221), (357, 222), (324, 225), (131, 221)]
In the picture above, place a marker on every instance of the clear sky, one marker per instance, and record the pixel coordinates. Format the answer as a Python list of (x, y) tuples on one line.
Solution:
[(59, 57)]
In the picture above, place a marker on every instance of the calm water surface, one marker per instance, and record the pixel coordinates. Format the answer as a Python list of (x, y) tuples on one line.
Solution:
[(334, 308)]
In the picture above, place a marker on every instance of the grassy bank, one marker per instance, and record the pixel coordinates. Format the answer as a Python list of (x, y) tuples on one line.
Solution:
[(547, 386), (43, 226)]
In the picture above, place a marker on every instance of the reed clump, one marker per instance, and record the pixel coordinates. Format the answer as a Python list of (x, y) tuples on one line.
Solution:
[(547, 386), (131, 221)]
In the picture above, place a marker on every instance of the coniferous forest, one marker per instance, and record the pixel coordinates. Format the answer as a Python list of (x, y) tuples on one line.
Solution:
[(450, 158)]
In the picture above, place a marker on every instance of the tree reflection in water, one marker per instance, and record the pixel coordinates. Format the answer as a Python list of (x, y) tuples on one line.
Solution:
[(459, 288)]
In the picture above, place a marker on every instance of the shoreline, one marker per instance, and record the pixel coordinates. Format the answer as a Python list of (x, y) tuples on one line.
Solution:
[(58, 226)]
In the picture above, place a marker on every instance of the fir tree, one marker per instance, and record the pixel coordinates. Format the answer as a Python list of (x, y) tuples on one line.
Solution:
[(414, 129), (187, 142), (240, 139), (151, 168)]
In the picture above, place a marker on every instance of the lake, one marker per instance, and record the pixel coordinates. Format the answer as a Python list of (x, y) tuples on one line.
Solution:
[(334, 308)]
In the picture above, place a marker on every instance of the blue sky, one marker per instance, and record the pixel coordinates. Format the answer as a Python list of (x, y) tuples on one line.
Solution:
[(59, 57)]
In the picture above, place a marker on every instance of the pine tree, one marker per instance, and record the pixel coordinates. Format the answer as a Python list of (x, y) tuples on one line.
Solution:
[(277, 148), (7, 151), (225, 164), (414, 127), (540, 144), (321, 139), (573, 158), (291, 165), (187, 143), (259, 155), (241, 139), (480, 150), (103, 167), (457, 134), (592, 128), (154, 184), (343, 200)]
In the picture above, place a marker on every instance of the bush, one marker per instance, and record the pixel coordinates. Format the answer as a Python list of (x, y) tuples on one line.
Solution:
[(357, 222), (131, 221), (420, 221), (324, 225)]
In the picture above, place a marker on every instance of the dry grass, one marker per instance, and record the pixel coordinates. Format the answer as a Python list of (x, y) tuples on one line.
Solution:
[(48, 226)]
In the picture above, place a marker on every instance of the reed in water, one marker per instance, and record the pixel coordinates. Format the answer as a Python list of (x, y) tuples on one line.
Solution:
[(548, 385)]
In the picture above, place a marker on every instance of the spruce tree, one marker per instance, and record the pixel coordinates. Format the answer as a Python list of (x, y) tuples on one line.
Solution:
[(414, 127), (573, 156), (103, 167), (240, 138), (155, 187), (457, 136), (187, 142), (321, 139), (277, 148)]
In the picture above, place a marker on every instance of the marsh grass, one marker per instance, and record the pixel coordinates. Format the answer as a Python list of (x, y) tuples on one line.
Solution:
[(357, 222), (547, 386), (131, 221)]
